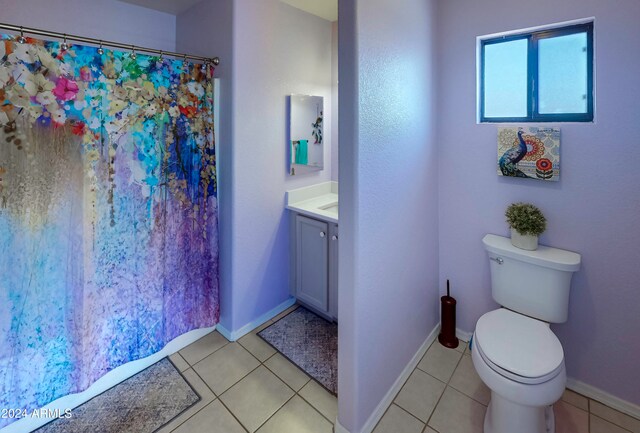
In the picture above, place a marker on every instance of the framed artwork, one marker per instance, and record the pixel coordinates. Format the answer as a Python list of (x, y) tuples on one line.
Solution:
[(529, 152)]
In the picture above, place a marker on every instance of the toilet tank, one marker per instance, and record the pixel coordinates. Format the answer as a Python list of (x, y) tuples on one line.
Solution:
[(533, 283)]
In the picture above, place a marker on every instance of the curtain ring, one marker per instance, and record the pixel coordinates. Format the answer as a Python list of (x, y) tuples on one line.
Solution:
[(100, 49), (161, 59), (22, 39), (133, 52), (65, 45)]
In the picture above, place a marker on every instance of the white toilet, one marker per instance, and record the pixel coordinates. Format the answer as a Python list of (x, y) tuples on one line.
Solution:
[(514, 351)]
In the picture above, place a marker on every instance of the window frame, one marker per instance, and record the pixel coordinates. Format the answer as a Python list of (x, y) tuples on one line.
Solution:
[(533, 115)]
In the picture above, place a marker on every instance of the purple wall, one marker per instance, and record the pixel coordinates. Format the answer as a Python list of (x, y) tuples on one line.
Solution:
[(592, 210), (206, 29), (277, 50), (102, 19), (334, 102), (388, 197), (268, 50)]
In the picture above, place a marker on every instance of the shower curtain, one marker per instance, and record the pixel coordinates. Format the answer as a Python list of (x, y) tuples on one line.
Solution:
[(108, 213)]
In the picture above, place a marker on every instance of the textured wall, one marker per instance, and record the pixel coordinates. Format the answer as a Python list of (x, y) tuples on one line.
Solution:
[(206, 29), (334, 103), (277, 50), (102, 19), (592, 210), (389, 193), (268, 50)]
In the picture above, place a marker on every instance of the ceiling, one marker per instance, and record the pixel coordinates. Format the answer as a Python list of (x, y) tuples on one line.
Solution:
[(173, 7), (327, 9)]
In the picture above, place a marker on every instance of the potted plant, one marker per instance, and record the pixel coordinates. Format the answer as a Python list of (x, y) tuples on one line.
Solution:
[(527, 222)]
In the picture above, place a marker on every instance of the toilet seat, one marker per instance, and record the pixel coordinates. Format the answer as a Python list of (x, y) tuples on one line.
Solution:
[(518, 347)]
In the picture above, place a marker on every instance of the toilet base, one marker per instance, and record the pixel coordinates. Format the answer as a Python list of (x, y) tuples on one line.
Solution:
[(505, 416)]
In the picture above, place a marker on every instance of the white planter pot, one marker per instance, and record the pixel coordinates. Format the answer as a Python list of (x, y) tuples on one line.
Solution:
[(525, 242)]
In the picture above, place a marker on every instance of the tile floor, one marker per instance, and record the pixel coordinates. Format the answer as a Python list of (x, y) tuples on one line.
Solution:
[(247, 387), (445, 395)]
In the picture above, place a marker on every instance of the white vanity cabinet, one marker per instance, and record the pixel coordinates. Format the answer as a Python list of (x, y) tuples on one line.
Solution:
[(315, 264)]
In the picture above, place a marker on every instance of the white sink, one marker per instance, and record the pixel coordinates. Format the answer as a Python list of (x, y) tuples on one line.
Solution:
[(331, 207), (318, 201)]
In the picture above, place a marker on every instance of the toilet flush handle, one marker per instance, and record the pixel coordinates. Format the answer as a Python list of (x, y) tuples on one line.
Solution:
[(500, 260)]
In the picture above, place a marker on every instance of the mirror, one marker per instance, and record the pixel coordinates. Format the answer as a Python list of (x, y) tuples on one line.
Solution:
[(306, 134)]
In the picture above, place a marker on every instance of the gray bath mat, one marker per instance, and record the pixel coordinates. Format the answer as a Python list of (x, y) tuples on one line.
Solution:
[(310, 342), (141, 404)]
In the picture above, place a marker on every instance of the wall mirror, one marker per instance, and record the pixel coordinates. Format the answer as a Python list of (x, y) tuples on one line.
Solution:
[(306, 134)]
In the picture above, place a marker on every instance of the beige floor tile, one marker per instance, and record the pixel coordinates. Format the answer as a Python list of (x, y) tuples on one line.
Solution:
[(287, 371), (285, 312), (214, 418), (206, 397), (263, 326), (420, 394), (321, 399), (204, 347), (576, 399), (429, 430), (615, 417), (598, 425), (457, 413), (297, 416), (440, 362), (256, 397), (257, 346), (570, 419), (466, 380), (222, 369), (179, 362), (462, 346), (396, 420)]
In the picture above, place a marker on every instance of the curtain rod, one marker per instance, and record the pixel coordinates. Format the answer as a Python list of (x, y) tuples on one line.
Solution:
[(68, 37)]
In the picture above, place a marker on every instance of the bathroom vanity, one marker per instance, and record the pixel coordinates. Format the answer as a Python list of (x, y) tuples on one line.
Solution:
[(314, 247)]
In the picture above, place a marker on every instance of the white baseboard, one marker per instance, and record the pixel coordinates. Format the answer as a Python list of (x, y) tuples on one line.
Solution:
[(107, 381), (386, 401), (604, 397), (236, 335), (337, 428), (463, 335)]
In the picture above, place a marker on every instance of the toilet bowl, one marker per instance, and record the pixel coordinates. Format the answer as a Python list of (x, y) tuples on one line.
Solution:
[(522, 362), (514, 350)]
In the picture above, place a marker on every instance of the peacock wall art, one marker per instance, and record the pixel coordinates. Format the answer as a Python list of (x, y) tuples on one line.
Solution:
[(529, 152)]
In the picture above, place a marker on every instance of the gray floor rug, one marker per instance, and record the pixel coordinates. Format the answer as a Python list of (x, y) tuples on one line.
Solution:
[(308, 341), (141, 404)]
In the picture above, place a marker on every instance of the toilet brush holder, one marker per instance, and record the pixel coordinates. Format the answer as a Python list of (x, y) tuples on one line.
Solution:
[(447, 336)]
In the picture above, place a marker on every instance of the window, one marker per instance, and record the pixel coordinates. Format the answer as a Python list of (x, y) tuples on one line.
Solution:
[(544, 76)]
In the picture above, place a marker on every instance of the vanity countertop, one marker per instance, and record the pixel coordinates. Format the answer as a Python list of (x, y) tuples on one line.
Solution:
[(317, 201)]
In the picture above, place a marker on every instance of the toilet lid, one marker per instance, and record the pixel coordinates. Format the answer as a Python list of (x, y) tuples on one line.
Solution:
[(519, 344)]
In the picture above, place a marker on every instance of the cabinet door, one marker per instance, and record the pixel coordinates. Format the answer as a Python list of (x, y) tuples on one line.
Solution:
[(333, 271), (312, 263)]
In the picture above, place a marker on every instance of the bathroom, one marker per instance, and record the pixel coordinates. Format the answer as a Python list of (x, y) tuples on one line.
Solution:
[(413, 213)]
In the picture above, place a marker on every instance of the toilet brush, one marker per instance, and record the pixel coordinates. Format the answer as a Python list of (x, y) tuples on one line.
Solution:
[(447, 335)]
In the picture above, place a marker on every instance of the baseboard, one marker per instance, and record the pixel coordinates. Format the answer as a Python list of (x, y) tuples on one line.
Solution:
[(463, 335), (107, 381), (604, 397), (337, 428), (236, 335), (386, 401)]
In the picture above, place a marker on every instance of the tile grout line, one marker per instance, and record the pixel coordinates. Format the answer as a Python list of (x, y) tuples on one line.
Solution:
[(275, 412), (404, 410), (445, 388), (217, 397)]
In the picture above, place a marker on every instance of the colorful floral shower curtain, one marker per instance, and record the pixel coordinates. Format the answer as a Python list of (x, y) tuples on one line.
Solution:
[(108, 213)]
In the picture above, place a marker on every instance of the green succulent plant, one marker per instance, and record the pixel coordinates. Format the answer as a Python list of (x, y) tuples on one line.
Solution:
[(526, 219)]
